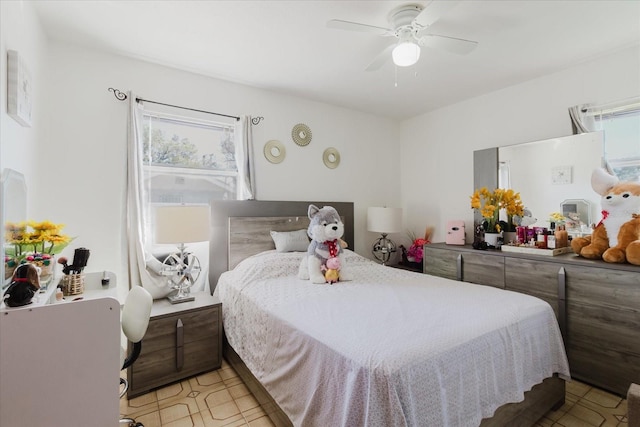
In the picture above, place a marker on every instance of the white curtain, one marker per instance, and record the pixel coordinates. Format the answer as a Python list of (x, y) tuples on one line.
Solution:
[(581, 122), (144, 267), (138, 212), (244, 158)]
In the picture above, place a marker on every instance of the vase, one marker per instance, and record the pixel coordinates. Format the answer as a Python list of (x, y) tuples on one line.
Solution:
[(491, 239)]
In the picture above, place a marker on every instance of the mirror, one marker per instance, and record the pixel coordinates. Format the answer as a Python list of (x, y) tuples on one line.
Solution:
[(578, 216), (551, 172), (14, 207)]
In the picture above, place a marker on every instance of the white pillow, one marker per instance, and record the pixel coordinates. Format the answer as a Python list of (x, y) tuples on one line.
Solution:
[(290, 241)]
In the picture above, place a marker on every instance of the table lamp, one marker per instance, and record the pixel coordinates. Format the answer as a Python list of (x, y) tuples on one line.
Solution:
[(384, 220), (179, 225)]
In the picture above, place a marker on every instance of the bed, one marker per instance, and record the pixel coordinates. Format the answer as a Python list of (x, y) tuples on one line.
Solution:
[(390, 348)]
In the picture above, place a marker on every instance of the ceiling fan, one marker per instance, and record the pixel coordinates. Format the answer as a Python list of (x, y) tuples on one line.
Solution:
[(410, 25)]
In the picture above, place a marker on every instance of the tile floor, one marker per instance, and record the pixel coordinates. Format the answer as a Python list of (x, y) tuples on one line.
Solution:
[(220, 398)]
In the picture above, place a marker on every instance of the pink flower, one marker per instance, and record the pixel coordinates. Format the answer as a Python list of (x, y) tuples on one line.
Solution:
[(415, 252), (420, 242)]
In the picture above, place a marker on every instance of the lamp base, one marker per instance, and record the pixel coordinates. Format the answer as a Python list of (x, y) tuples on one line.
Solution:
[(177, 298), (383, 249)]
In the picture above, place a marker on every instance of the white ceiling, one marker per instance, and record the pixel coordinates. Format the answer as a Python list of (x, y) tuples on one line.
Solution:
[(285, 46)]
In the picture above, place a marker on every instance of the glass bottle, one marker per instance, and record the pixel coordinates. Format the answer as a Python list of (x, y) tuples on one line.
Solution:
[(562, 237), (551, 240)]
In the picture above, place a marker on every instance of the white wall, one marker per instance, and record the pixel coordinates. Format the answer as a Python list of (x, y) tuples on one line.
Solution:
[(85, 146), (437, 148), (20, 31)]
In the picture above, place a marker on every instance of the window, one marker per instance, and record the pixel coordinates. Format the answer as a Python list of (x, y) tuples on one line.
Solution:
[(621, 126), (188, 160), (173, 160)]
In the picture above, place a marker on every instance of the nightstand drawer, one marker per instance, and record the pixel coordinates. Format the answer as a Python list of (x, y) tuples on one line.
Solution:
[(197, 325), (160, 367), (182, 340)]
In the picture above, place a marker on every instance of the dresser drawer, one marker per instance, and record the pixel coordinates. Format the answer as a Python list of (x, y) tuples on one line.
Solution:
[(441, 263), (604, 348), (539, 279), (603, 287), (483, 269)]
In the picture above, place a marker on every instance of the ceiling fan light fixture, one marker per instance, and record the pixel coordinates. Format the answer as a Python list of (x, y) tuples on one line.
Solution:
[(405, 54)]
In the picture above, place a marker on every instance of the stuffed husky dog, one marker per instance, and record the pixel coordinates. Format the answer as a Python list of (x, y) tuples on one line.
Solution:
[(325, 230)]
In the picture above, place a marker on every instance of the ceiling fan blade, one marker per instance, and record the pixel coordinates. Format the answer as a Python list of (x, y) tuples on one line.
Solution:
[(380, 60), (354, 26), (434, 11), (450, 44)]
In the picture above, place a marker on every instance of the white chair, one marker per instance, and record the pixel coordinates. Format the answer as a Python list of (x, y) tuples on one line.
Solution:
[(135, 319)]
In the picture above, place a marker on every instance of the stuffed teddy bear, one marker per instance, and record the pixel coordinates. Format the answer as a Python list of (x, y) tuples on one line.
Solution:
[(325, 230), (616, 238), (332, 270)]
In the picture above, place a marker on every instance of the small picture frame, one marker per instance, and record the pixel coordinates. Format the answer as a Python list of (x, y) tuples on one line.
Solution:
[(19, 89), (562, 175)]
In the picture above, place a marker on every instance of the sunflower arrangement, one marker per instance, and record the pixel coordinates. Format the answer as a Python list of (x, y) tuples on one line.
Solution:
[(38, 237), (490, 203)]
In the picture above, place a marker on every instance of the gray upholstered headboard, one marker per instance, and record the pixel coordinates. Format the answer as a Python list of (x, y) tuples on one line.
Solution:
[(222, 211)]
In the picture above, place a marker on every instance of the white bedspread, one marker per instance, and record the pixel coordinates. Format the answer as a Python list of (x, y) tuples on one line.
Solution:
[(391, 348)]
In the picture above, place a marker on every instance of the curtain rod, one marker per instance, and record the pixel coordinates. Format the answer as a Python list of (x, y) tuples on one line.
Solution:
[(631, 102), (122, 96), (187, 108)]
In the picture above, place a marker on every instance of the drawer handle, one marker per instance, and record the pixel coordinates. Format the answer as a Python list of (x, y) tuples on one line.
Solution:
[(179, 344), (562, 301)]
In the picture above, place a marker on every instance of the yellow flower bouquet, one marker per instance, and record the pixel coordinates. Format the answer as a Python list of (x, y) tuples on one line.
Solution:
[(556, 218), (42, 237), (35, 243), (490, 203)]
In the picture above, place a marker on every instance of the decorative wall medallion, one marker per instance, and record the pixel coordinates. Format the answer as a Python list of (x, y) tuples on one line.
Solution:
[(274, 151), (301, 134), (331, 158)]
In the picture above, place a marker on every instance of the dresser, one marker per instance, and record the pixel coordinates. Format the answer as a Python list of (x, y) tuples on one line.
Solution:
[(182, 340), (597, 304)]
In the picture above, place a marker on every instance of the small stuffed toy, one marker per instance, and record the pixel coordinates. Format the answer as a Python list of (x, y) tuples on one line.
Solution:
[(332, 270), (616, 238), (24, 284), (325, 230), (525, 220)]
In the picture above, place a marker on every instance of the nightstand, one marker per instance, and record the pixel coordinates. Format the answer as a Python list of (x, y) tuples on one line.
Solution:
[(182, 340), (410, 267)]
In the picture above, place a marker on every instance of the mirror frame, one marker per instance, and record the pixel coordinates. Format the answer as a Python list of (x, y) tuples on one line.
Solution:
[(11, 181)]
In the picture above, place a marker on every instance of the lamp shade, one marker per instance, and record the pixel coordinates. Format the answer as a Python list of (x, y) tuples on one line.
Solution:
[(182, 224), (384, 220)]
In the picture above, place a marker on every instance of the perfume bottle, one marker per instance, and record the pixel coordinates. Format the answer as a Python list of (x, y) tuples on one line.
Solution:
[(551, 240), (562, 237), (541, 238)]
